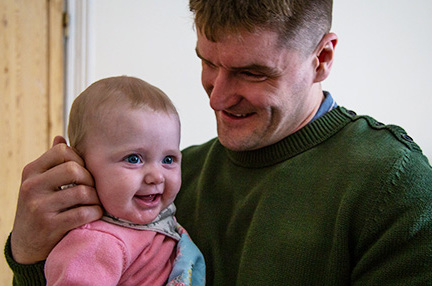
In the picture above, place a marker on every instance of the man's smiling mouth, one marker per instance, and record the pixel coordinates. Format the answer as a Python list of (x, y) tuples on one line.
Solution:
[(237, 115)]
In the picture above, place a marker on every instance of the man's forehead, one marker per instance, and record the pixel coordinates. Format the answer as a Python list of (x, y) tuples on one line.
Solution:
[(256, 51), (245, 42)]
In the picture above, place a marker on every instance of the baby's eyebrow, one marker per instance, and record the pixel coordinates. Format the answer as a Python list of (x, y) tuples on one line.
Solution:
[(173, 152)]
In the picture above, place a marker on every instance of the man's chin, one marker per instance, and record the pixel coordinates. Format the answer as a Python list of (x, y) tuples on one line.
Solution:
[(237, 143)]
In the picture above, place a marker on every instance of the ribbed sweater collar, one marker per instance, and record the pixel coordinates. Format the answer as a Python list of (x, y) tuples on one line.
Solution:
[(309, 136)]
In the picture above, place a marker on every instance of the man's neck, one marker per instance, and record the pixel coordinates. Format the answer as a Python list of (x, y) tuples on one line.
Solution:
[(319, 97)]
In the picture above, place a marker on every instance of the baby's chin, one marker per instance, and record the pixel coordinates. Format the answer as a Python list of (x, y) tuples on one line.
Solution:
[(146, 217), (138, 213)]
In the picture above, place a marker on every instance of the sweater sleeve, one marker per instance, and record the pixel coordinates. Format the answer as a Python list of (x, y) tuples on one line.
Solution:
[(395, 246), (86, 257), (31, 274)]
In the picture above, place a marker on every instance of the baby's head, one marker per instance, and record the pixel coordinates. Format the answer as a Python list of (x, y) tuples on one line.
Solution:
[(99, 98), (128, 133)]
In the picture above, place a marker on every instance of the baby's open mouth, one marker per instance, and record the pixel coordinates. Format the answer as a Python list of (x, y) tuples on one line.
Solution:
[(148, 198)]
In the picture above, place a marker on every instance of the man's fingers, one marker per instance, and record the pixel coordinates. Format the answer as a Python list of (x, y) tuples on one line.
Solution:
[(76, 196), (57, 155), (78, 216), (65, 210), (28, 248), (44, 212), (58, 140), (51, 180), (66, 174), (44, 217)]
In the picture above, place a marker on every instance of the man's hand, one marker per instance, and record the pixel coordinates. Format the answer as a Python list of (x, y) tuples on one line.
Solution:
[(44, 212)]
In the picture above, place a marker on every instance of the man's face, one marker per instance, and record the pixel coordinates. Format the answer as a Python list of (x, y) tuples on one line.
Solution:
[(260, 91)]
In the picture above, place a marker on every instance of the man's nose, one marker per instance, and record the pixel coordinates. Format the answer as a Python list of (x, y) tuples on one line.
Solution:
[(222, 91)]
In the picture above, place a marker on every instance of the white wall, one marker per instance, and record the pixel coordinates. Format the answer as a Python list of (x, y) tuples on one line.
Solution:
[(382, 66), (383, 63)]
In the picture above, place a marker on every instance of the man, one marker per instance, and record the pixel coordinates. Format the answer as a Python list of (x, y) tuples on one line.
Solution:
[(294, 191)]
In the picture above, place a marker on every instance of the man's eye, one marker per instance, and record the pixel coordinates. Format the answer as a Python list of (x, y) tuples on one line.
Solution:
[(133, 159), (168, 160), (254, 76)]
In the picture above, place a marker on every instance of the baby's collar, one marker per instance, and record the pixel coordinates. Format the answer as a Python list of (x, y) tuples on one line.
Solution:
[(164, 223)]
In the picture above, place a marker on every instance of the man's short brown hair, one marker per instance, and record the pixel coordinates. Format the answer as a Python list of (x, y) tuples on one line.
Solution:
[(301, 24)]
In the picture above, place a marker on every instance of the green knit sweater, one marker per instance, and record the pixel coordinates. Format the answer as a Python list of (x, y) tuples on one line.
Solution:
[(345, 200)]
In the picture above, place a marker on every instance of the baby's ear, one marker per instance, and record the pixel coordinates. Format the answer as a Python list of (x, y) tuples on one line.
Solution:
[(324, 55)]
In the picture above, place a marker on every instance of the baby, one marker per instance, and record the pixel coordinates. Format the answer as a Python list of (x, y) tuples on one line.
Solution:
[(128, 133)]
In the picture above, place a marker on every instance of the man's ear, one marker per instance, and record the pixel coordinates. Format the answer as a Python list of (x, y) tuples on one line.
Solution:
[(324, 54)]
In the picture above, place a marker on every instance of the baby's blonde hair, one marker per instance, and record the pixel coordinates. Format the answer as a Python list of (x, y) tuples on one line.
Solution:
[(94, 103)]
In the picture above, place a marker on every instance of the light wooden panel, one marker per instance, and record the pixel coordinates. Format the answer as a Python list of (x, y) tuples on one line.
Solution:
[(31, 95), (56, 69)]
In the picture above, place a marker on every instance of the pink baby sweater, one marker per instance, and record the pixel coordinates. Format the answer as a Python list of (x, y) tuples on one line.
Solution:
[(102, 253)]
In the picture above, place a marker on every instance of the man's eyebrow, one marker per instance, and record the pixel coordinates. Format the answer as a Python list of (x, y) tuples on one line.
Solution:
[(266, 70), (201, 57), (269, 71), (198, 54)]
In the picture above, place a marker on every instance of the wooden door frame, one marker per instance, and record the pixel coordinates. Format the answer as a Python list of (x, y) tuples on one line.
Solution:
[(78, 51)]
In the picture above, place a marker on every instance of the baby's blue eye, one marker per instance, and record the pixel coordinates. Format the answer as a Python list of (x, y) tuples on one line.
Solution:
[(168, 160), (133, 159)]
